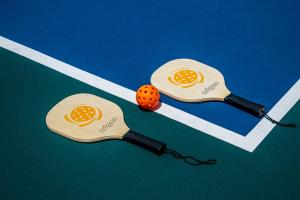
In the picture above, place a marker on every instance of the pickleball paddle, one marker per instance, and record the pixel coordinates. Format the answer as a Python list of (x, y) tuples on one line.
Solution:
[(188, 80), (89, 118)]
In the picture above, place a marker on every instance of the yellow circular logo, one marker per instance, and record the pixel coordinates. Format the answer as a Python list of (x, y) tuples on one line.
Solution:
[(186, 78), (84, 115)]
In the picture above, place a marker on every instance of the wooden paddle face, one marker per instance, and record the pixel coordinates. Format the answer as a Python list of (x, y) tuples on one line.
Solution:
[(87, 118), (190, 81)]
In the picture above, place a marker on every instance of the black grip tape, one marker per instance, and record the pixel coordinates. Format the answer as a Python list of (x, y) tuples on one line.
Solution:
[(246, 105), (147, 143)]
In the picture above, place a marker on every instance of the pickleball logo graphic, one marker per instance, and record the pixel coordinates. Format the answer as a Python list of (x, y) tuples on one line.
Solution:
[(186, 78), (83, 115)]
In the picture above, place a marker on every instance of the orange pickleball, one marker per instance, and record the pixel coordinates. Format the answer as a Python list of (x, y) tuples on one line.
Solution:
[(147, 96)]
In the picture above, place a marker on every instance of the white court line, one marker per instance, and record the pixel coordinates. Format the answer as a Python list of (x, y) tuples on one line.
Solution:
[(249, 142)]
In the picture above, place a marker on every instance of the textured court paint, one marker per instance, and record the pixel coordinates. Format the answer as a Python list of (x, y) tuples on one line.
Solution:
[(37, 164), (255, 44), (123, 92), (249, 143)]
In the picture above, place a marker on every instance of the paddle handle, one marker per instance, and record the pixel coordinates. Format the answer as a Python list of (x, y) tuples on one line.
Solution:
[(145, 142), (246, 105)]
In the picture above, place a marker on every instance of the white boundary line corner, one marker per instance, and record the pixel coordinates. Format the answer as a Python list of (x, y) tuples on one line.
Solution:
[(248, 143)]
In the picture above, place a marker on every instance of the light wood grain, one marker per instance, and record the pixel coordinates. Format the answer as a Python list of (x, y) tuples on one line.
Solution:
[(106, 120), (209, 85)]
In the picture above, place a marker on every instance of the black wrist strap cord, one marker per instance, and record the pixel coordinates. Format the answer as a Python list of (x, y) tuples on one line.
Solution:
[(278, 123), (160, 148), (190, 159), (255, 109)]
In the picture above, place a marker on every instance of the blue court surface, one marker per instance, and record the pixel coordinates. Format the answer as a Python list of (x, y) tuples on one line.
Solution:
[(255, 44)]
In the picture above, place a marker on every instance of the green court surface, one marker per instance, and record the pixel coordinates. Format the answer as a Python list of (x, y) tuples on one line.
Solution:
[(38, 164)]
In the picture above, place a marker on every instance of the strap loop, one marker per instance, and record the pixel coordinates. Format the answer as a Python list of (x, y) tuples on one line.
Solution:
[(189, 159), (278, 123)]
